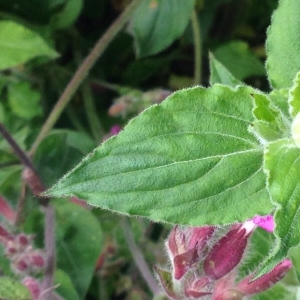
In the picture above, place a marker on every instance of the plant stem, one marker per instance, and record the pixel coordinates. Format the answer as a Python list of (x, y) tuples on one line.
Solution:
[(83, 70), (92, 116), (15, 147), (139, 258), (197, 48), (50, 252)]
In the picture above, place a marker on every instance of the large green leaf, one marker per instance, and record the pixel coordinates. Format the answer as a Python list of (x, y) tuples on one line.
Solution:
[(79, 242), (157, 23), (283, 45), (19, 44), (190, 160)]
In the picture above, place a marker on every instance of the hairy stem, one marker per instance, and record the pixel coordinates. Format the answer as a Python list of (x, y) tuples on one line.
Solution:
[(139, 258), (197, 48), (83, 70)]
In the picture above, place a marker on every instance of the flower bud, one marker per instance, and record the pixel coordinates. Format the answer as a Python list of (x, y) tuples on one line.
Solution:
[(22, 239), (21, 265), (37, 259), (228, 251), (5, 236), (248, 287), (184, 246), (33, 286)]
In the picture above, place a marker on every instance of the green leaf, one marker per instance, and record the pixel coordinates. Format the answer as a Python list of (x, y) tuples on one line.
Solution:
[(58, 153), (158, 23), (190, 160), (19, 44), (239, 60), (11, 289), (294, 99), (65, 287), (79, 241), (282, 44), (68, 15), (24, 101), (219, 73), (282, 164)]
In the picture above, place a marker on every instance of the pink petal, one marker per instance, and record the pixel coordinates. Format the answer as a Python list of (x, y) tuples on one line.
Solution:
[(265, 222)]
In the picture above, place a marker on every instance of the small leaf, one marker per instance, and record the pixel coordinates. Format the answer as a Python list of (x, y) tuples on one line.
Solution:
[(11, 289), (269, 124), (190, 160), (239, 60), (24, 101), (219, 73), (158, 23), (283, 48), (294, 98), (19, 44)]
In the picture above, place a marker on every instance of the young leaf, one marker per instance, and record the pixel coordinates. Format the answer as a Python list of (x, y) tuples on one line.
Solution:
[(269, 124), (283, 49), (190, 160), (219, 73), (157, 24), (19, 44)]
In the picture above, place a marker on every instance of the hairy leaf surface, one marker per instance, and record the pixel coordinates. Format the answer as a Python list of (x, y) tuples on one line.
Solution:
[(190, 160)]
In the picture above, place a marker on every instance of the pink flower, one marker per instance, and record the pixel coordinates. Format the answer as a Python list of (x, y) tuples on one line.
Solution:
[(265, 222), (248, 287), (228, 251), (184, 246)]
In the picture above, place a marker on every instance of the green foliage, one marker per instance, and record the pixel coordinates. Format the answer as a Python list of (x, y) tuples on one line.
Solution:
[(216, 155), (24, 101), (283, 60), (20, 44), (79, 241), (239, 60), (12, 289), (219, 73), (158, 23)]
